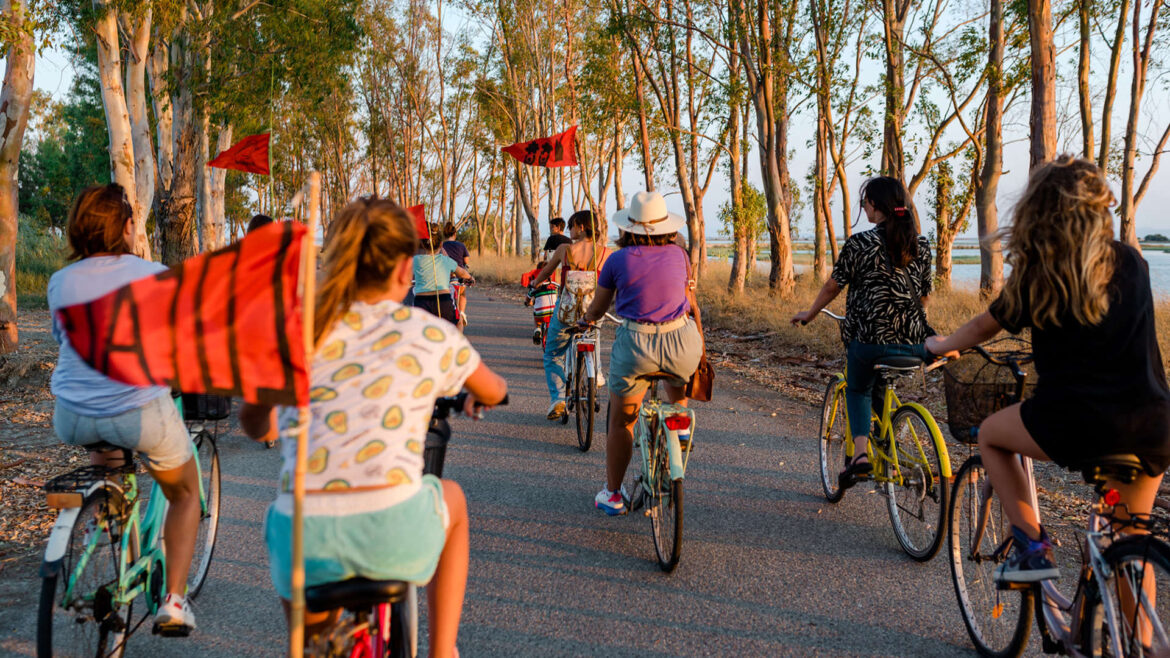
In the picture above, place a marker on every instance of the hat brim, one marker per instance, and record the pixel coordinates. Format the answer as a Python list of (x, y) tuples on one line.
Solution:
[(672, 224)]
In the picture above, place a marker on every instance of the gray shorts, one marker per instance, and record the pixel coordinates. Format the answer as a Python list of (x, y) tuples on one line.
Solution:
[(640, 349), (155, 431)]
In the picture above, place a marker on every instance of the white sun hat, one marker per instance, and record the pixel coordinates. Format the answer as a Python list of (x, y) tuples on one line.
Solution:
[(647, 215)]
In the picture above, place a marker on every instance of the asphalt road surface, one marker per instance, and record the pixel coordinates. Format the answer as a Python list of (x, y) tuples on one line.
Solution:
[(768, 567)]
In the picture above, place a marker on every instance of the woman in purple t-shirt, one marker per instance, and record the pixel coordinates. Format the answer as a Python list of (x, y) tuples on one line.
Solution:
[(648, 282)]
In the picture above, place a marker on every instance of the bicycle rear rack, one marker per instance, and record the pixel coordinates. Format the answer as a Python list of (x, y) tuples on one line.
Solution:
[(68, 489)]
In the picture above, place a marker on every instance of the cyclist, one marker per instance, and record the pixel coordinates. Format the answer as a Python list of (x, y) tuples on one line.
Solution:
[(1101, 388), (432, 277), (556, 237), (92, 408), (370, 512), (462, 257), (579, 263), (887, 271), (648, 280)]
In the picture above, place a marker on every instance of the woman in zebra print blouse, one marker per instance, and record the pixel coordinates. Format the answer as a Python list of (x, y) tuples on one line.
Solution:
[(887, 271)]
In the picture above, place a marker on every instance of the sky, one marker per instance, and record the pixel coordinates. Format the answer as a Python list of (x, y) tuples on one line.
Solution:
[(54, 74)]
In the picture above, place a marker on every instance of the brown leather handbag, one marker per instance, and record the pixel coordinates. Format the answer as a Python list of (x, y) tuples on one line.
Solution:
[(702, 382)]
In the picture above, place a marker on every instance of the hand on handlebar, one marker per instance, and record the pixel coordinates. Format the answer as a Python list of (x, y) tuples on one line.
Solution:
[(803, 318), (472, 409), (934, 346)]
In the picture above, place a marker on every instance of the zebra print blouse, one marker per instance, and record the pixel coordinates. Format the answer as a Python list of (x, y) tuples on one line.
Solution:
[(883, 305)]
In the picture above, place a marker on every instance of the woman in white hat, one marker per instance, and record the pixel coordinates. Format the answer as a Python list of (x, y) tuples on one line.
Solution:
[(648, 281)]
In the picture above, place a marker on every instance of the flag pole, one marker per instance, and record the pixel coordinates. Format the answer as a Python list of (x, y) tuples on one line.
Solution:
[(296, 633)]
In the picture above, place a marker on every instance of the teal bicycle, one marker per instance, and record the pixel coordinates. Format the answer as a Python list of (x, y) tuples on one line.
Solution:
[(663, 436), (104, 552)]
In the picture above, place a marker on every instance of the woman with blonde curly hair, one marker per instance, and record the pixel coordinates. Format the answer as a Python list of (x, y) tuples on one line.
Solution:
[(1101, 387)]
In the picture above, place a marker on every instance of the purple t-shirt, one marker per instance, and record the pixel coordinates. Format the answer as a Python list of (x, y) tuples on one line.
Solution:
[(651, 282)]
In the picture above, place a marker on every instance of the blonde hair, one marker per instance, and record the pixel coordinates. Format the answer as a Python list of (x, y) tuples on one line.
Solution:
[(1060, 245), (365, 243)]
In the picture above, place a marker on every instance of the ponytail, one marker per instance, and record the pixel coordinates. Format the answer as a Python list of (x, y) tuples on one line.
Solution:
[(365, 243), (889, 197)]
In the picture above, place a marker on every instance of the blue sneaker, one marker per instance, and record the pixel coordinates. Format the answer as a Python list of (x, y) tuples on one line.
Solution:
[(1029, 562), (610, 502)]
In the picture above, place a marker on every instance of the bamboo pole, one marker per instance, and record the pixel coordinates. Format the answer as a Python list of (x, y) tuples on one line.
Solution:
[(308, 284)]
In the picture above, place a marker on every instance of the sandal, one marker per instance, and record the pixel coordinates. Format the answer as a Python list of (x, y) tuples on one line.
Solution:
[(857, 468)]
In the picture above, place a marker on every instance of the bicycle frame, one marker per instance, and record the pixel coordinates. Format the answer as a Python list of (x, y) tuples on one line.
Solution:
[(655, 411)]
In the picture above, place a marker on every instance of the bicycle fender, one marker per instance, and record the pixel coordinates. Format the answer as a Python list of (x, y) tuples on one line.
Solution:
[(935, 436), (58, 541), (677, 468)]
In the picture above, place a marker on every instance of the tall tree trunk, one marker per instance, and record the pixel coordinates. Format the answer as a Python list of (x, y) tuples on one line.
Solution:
[(643, 124), (894, 22), (739, 225), (1111, 86), (944, 236), (1043, 115), (139, 32), (1084, 8), (218, 188), (204, 209), (987, 213), (178, 205), (1141, 62), (14, 108), (160, 98), (121, 146)]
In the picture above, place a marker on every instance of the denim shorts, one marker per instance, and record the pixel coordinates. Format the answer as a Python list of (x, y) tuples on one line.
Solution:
[(640, 349), (155, 431), (399, 542)]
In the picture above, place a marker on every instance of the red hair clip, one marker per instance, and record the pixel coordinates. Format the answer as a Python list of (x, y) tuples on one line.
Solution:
[(900, 210)]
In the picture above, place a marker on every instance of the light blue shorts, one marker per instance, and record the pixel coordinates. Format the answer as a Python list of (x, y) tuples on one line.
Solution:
[(154, 430), (400, 542)]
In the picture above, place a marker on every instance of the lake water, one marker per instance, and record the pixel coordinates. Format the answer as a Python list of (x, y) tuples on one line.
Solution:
[(968, 274)]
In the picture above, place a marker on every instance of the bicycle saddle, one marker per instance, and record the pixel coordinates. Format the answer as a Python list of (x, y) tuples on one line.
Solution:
[(898, 362), (354, 594), (1121, 467), (101, 446), (656, 376)]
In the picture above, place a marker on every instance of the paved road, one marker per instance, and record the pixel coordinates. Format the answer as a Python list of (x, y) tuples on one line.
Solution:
[(768, 567)]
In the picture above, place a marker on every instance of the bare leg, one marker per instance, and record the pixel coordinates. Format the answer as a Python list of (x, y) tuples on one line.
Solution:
[(1002, 436), (445, 593), (1138, 497), (676, 394), (623, 412), (315, 622), (181, 487)]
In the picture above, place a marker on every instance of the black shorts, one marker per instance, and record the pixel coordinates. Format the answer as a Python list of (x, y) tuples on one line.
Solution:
[(1072, 432), (444, 308)]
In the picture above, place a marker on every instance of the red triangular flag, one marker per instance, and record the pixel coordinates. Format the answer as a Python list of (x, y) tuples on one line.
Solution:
[(556, 151), (250, 155), (420, 221), (226, 322)]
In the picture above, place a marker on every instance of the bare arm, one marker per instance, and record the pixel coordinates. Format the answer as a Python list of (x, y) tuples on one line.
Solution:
[(463, 274), (978, 329), (550, 267), (602, 297), (486, 387), (259, 421), (828, 293)]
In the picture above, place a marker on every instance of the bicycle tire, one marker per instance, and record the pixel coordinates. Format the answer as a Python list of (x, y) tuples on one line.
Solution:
[(399, 632), (973, 568), (1121, 557), (586, 394), (209, 474), (80, 632), (634, 495), (832, 442), (665, 505), (918, 507)]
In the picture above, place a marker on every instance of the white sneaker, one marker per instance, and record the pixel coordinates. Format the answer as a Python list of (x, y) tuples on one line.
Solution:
[(174, 617), (610, 502), (600, 379)]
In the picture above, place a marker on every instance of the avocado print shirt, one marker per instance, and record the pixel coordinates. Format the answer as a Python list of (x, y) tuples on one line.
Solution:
[(373, 387)]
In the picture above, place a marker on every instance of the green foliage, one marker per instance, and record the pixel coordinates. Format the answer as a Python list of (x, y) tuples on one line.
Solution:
[(40, 251), (751, 217), (1155, 237)]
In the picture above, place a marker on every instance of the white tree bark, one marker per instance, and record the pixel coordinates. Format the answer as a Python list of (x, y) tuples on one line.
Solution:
[(14, 104), (139, 31), (160, 100), (117, 115), (204, 208), (218, 185)]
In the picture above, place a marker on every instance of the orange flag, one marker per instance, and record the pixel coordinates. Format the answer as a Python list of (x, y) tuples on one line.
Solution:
[(249, 155), (226, 322), (556, 151), (420, 221)]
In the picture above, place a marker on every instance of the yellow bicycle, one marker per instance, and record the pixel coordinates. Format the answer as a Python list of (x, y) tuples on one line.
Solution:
[(911, 466)]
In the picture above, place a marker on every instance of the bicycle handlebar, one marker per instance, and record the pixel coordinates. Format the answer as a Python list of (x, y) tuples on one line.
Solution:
[(444, 407), (838, 318)]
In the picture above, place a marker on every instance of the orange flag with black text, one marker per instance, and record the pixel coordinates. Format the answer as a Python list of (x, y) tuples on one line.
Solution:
[(226, 322), (557, 151)]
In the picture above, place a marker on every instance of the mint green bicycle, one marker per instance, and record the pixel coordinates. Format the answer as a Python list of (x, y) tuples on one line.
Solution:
[(660, 434), (103, 552)]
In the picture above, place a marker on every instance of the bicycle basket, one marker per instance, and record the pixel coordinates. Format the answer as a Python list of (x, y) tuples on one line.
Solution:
[(199, 406), (976, 388)]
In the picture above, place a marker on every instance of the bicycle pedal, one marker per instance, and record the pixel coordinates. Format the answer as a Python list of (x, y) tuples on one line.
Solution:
[(1004, 586), (178, 630)]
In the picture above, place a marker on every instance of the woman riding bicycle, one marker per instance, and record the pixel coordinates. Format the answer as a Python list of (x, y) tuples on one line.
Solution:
[(887, 271), (462, 257), (1101, 388), (649, 282), (92, 408), (370, 512), (579, 263), (432, 277)]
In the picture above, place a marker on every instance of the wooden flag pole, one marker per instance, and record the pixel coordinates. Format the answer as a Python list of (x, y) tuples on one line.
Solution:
[(296, 633)]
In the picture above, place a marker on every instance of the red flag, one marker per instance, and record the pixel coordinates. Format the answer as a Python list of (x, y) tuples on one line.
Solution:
[(226, 322), (420, 221), (250, 155), (556, 151)]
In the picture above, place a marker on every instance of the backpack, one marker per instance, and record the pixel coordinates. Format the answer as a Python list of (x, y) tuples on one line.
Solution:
[(576, 292)]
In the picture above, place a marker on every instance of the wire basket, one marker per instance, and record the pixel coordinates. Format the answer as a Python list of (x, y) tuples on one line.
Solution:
[(976, 388)]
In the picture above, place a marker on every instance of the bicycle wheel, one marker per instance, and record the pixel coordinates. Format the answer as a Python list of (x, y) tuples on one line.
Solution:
[(209, 516), (664, 505), (1139, 588), (918, 506), (88, 623), (635, 495), (570, 385), (586, 394), (832, 440), (998, 621)]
